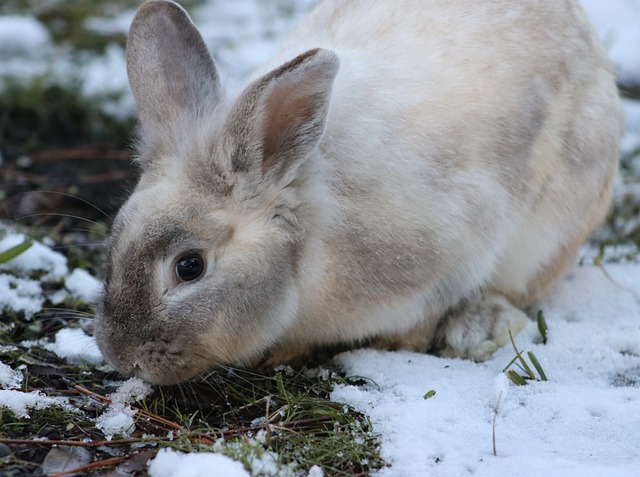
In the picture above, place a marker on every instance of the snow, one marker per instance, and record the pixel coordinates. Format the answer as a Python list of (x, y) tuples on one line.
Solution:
[(19, 402), (38, 257), (75, 347), (83, 285), (8, 377), (245, 33), (24, 46), (631, 139), (169, 463), (584, 421), (118, 419), (22, 34), (133, 389), (107, 73), (241, 34), (21, 293), (316, 471)]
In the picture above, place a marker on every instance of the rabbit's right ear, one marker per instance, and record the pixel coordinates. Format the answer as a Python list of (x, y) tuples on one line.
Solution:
[(172, 74)]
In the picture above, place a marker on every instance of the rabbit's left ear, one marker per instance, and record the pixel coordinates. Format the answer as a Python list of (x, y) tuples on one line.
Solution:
[(172, 74), (280, 117)]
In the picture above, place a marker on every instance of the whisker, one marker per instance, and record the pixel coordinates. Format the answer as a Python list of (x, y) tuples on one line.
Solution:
[(44, 314), (66, 194), (87, 231), (88, 244), (54, 214)]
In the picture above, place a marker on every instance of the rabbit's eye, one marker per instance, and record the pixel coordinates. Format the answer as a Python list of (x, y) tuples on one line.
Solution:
[(189, 267)]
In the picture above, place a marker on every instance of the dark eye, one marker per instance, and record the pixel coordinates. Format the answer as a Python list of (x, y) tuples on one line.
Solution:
[(189, 267)]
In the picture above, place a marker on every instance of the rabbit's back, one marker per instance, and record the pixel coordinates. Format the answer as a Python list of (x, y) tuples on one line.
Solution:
[(472, 145)]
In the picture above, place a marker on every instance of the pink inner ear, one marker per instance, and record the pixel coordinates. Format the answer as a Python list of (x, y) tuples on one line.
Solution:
[(287, 110)]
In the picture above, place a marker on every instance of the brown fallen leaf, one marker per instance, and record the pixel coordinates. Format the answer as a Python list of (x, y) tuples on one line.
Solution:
[(63, 458)]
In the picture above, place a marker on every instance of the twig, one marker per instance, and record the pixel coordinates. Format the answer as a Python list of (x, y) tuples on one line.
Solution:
[(598, 263), (93, 465), (151, 417), (90, 444), (495, 417)]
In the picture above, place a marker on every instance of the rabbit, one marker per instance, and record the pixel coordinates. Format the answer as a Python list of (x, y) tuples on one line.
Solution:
[(403, 173)]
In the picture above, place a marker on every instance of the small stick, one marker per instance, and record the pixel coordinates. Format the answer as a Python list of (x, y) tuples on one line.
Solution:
[(101, 463), (35, 442), (495, 417), (148, 415)]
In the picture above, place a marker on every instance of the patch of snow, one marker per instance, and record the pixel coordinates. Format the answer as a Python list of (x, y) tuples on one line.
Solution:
[(22, 35), (19, 402), (243, 34), (316, 471), (267, 465), (110, 26), (583, 421), (169, 463), (9, 378), (132, 390), (631, 140), (260, 462), (38, 257), (58, 297), (108, 73), (118, 419), (24, 47), (83, 285), (20, 295), (75, 347)]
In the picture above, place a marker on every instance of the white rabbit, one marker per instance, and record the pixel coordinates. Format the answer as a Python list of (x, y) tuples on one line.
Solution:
[(406, 173)]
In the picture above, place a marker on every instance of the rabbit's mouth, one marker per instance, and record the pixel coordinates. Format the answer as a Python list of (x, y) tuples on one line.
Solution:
[(162, 362), (156, 359)]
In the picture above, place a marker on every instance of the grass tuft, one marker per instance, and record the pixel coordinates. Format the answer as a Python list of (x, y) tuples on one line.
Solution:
[(526, 372)]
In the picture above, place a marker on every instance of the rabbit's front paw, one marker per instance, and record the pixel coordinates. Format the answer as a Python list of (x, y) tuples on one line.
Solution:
[(477, 327)]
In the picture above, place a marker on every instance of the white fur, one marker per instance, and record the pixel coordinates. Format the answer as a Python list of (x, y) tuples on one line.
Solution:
[(469, 148)]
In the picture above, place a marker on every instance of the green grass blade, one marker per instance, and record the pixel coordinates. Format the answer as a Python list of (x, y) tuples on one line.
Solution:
[(510, 364), (516, 378), (429, 394), (280, 385), (525, 366), (13, 252), (536, 364), (542, 326)]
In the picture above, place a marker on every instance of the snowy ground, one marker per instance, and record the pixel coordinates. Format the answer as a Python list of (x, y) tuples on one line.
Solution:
[(583, 421)]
